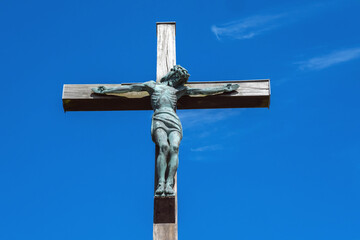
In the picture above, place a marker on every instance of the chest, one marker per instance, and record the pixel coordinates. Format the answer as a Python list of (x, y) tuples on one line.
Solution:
[(164, 91)]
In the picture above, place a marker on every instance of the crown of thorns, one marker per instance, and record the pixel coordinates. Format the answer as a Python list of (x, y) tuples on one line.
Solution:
[(176, 74)]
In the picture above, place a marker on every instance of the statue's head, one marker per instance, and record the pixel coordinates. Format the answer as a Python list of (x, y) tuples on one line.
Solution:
[(176, 77)]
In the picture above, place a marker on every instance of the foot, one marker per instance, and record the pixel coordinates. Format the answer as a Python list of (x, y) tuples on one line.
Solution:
[(160, 189), (169, 191)]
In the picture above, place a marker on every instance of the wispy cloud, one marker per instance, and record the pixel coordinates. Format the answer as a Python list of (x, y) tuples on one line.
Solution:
[(247, 28), (252, 26), (328, 60), (193, 118), (207, 148)]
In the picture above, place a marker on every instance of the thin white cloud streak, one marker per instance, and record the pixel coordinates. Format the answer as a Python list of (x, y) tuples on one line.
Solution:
[(255, 25), (328, 60), (247, 28), (207, 148), (202, 117)]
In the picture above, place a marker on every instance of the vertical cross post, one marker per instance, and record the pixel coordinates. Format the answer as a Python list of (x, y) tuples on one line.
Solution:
[(165, 209)]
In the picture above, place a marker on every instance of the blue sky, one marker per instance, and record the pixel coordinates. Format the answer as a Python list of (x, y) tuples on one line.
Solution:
[(288, 172)]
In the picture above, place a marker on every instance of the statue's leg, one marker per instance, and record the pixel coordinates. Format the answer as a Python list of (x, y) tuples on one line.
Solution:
[(160, 137), (174, 140)]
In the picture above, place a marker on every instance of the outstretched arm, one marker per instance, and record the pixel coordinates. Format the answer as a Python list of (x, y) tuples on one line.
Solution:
[(147, 86), (215, 90)]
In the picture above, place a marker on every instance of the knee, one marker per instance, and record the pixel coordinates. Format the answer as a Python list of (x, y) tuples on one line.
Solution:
[(164, 148), (174, 149)]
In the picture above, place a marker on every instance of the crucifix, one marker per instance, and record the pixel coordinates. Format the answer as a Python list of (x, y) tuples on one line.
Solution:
[(171, 91)]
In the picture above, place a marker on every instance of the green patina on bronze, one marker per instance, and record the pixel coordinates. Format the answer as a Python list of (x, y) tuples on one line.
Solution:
[(166, 129)]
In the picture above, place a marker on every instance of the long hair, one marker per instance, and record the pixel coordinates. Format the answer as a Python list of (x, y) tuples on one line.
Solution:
[(177, 74)]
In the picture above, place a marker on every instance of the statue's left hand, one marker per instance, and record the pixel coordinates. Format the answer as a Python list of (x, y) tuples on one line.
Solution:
[(99, 90), (231, 87)]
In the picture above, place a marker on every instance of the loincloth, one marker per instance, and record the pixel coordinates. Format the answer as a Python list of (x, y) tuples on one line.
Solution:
[(168, 121)]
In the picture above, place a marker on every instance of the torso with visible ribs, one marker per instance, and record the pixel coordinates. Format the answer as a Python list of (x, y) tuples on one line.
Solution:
[(164, 97)]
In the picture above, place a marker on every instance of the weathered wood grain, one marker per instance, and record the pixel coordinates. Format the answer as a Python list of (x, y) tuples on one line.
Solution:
[(166, 52), (165, 231), (251, 93)]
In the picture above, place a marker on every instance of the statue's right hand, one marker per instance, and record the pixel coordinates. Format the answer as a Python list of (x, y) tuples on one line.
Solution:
[(231, 87)]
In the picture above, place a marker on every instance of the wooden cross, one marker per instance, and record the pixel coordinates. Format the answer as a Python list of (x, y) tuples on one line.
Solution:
[(250, 94)]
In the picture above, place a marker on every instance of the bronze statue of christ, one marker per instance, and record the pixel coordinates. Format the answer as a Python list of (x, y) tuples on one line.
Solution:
[(166, 129)]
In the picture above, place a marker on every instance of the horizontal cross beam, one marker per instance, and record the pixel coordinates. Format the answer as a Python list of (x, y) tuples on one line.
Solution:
[(250, 94)]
